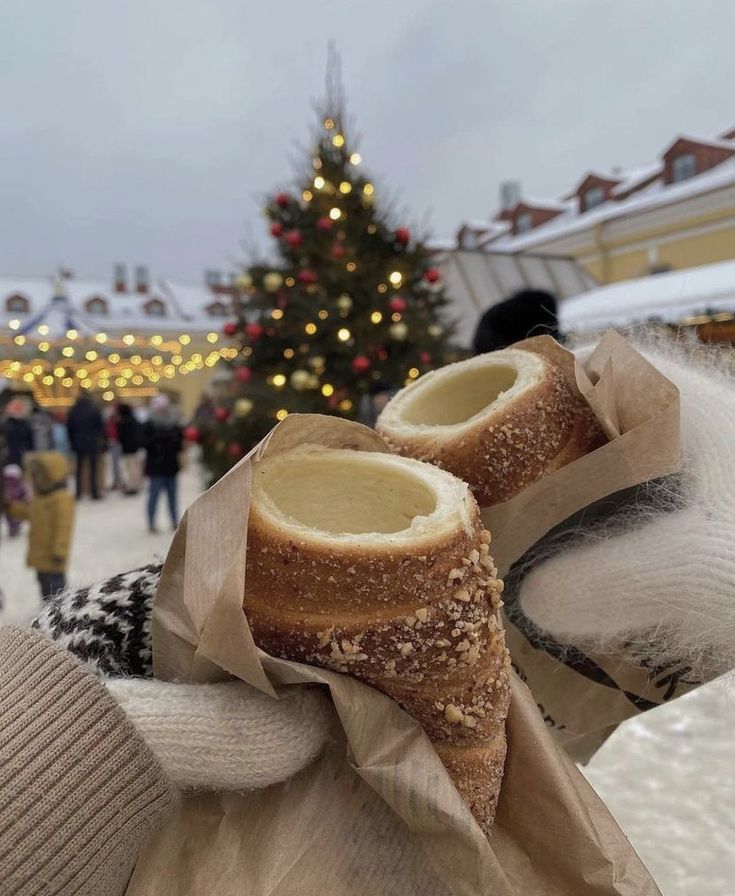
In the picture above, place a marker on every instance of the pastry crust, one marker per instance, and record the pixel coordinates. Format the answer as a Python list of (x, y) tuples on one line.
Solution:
[(411, 611), (499, 421)]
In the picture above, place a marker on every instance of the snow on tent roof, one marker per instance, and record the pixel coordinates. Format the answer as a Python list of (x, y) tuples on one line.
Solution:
[(669, 297)]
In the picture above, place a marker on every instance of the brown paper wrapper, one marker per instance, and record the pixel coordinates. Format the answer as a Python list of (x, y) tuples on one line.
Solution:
[(583, 696), (377, 814)]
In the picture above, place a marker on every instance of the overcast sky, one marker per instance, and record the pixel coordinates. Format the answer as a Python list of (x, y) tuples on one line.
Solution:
[(148, 131)]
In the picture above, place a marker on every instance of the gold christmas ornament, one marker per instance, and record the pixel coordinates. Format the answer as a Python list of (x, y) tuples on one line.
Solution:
[(299, 379), (272, 281), (434, 330), (344, 302), (244, 281), (398, 331), (242, 407)]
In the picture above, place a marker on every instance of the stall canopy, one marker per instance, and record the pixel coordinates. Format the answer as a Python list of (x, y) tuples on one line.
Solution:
[(476, 280)]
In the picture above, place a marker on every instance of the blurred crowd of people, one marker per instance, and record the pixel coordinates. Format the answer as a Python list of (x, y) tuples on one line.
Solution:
[(101, 450)]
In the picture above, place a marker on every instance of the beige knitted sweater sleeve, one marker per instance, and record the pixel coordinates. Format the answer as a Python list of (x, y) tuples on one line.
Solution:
[(80, 791)]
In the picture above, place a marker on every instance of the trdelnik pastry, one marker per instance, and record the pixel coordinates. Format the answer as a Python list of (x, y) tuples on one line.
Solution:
[(378, 566), (499, 421)]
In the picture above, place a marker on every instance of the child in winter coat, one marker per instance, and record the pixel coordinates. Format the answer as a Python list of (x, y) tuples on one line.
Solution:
[(13, 490), (51, 515)]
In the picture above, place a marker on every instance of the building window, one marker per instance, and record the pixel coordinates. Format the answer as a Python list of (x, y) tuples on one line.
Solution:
[(96, 305), (523, 222), (17, 304), (155, 308), (592, 197), (683, 167), (217, 309)]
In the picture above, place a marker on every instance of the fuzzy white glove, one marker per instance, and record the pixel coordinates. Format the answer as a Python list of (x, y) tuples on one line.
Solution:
[(658, 581), (226, 736)]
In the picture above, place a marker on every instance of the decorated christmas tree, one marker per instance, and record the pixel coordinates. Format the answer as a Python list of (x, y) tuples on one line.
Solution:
[(350, 311)]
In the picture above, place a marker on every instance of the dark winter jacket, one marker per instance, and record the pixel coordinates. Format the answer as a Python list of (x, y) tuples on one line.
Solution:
[(18, 440), (85, 427), (163, 441), (42, 429), (128, 430)]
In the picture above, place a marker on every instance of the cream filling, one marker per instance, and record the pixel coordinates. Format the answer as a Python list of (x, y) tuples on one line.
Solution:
[(457, 395), (358, 497)]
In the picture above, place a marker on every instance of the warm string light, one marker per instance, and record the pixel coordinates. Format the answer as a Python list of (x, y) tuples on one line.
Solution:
[(335, 214), (355, 158), (376, 317), (338, 140)]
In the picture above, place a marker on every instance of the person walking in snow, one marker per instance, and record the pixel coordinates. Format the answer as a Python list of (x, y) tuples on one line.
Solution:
[(17, 432), (86, 435), (129, 437), (163, 442)]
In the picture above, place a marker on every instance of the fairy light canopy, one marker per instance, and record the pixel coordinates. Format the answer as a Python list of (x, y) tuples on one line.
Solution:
[(60, 336)]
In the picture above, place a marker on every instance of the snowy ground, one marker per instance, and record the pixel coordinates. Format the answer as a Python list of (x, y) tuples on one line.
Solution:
[(668, 777)]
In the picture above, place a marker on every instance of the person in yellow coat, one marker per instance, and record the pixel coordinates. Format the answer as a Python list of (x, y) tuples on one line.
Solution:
[(51, 515)]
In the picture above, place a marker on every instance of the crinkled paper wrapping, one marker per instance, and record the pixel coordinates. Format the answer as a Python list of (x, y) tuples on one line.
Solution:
[(377, 814), (584, 696)]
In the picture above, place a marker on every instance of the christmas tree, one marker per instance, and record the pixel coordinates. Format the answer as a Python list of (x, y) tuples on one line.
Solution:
[(351, 310)]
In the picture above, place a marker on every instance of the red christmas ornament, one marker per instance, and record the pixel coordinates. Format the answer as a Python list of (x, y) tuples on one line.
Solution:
[(221, 414), (431, 275), (242, 374), (293, 238), (337, 251), (254, 331), (425, 358), (230, 328), (282, 200), (398, 304), (276, 229), (324, 223), (192, 434), (234, 449), (361, 364), (307, 276), (403, 235)]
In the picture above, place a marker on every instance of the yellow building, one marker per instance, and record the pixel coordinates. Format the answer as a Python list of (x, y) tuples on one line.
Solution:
[(677, 212)]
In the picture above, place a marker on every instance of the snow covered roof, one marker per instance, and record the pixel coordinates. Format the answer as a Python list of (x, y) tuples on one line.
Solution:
[(717, 142), (670, 297), (535, 202), (653, 196), (630, 178), (167, 307), (476, 224)]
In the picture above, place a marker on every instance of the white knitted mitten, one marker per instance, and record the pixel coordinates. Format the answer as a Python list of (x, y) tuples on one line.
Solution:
[(658, 581), (225, 736)]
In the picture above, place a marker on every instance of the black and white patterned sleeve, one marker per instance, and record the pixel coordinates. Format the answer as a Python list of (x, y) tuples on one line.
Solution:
[(108, 624)]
